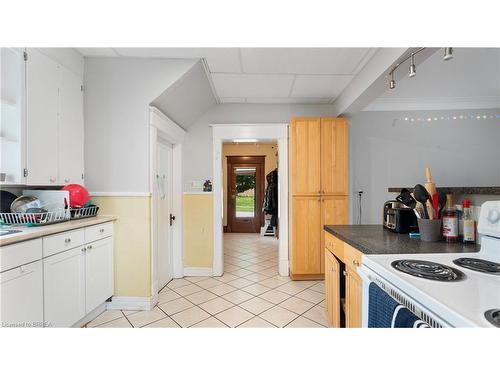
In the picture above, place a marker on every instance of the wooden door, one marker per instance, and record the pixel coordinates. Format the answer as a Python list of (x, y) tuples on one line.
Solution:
[(42, 119), (64, 287), (70, 128), (305, 156), (332, 289), (22, 295), (354, 287), (245, 193), (98, 273), (334, 156), (306, 251), (334, 211)]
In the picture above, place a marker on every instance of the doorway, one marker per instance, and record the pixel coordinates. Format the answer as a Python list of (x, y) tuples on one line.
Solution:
[(245, 193), (164, 220)]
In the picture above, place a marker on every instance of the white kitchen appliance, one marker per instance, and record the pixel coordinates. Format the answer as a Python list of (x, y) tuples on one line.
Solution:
[(446, 289)]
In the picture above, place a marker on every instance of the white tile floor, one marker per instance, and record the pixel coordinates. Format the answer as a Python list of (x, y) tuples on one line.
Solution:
[(249, 294)]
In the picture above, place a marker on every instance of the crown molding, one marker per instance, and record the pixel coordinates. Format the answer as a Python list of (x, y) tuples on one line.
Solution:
[(434, 103)]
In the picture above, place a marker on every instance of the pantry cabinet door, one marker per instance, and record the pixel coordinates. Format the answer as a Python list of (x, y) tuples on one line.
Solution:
[(64, 287), (99, 272), (332, 289), (42, 119), (334, 156), (306, 251), (71, 131), (22, 296), (334, 211), (305, 156)]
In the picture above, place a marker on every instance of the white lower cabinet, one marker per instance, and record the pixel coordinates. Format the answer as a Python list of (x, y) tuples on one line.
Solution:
[(64, 287), (98, 272), (21, 296)]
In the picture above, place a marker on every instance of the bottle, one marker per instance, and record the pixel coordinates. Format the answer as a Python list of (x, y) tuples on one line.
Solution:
[(450, 221), (468, 222)]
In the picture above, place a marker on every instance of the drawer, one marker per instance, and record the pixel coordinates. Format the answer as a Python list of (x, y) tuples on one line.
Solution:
[(334, 245), (97, 232), (352, 257), (20, 253), (62, 241)]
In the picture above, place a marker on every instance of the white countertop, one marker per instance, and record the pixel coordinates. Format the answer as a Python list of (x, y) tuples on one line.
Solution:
[(29, 233)]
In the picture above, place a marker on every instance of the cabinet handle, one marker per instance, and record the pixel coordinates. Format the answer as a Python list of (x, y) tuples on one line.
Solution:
[(334, 270), (84, 248), (101, 230), (52, 179), (67, 240), (89, 247), (66, 180), (356, 263), (345, 273)]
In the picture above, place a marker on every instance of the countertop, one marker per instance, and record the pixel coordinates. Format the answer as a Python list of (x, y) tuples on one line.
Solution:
[(29, 233), (374, 239)]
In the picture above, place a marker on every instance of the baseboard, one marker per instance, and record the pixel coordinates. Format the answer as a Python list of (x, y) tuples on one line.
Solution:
[(283, 268), (225, 229), (132, 303), (198, 271), (319, 276)]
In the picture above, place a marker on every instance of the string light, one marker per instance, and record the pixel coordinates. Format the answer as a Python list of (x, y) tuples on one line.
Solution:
[(471, 116)]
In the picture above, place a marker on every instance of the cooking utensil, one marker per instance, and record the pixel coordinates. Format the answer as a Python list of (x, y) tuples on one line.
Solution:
[(430, 186), (407, 199), (23, 203), (435, 204), (6, 199), (442, 202), (422, 196)]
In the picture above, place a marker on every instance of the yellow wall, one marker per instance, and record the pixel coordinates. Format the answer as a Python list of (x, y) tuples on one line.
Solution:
[(132, 243), (198, 227), (230, 149)]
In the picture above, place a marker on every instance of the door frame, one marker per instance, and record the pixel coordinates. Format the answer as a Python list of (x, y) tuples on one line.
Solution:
[(262, 132), (162, 127), (259, 190)]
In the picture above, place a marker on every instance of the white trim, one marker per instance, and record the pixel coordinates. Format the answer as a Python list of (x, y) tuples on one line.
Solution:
[(132, 303), (439, 103), (172, 132), (177, 245), (198, 271), (227, 132), (197, 192), (120, 194)]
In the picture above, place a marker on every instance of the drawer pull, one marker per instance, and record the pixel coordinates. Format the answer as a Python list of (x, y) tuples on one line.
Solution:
[(345, 273), (84, 248), (101, 230), (89, 247), (67, 240), (356, 263)]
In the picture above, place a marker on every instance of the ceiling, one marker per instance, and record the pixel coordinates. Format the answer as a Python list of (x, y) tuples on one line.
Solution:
[(468, 81), (265, 75)]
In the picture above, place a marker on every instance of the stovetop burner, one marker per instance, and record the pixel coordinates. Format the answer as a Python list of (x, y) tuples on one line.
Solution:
[(479, 265), (428, 270)]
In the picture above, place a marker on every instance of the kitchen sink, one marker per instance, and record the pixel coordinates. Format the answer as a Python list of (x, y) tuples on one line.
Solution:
[(5, 232)]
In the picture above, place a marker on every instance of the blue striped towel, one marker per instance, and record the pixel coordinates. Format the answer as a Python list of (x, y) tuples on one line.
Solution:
[(385, 312)]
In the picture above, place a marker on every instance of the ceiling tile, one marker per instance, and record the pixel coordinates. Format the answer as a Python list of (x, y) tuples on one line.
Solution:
[(303, 60), (109, 52), (224, 60), (252, 85), (309, 86), (288, 100)]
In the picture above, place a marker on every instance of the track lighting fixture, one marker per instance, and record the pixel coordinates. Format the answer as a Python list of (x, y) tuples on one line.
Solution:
[(392, 83), (412, 70), (448, 53)]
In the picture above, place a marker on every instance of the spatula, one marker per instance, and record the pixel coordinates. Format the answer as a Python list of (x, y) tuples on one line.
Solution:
[(422, 196)]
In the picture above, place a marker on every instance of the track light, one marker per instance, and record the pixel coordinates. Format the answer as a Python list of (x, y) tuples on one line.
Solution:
[(392, 82), (412, 71), (448, 53)]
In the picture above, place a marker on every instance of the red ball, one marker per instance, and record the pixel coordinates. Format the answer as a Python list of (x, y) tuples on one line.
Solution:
[(78, 195)]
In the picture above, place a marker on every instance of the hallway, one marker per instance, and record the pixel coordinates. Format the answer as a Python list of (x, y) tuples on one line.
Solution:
[(249, 294)]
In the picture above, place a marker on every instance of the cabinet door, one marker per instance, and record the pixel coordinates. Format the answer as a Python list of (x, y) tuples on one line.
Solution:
[(306, 236), (64, 287), (22, 296), (99, 272), (70, 128), (334, 156), (334, 211), (12, 130), (42, 117), (332, 290), (353, 298), (305, 156)]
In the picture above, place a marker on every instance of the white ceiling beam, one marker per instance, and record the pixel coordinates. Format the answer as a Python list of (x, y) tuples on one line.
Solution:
[(372, 81)]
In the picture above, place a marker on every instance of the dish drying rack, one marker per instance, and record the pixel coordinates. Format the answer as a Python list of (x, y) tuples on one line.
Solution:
[(50, 217)]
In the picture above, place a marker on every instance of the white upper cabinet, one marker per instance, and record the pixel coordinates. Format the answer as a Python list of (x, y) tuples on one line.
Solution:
[(12, 115), (54, 122), (71, 130)]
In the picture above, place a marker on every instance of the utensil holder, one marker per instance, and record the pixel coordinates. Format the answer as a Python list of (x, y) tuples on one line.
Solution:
[(430, 230)]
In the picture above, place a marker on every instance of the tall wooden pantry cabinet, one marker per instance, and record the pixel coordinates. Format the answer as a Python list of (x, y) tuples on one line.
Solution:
[(318, 190)]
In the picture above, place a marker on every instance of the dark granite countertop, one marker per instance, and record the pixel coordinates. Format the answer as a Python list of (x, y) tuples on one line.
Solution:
[(374, 239)]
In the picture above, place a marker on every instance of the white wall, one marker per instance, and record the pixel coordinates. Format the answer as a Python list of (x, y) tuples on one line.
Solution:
[(118, 92), (68, 57), (197, 149), (387, 151)]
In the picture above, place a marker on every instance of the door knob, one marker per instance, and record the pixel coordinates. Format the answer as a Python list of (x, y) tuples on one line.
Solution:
[(172, 218)]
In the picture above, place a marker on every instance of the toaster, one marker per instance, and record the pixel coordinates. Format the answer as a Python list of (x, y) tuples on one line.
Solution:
[(399, 218)]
